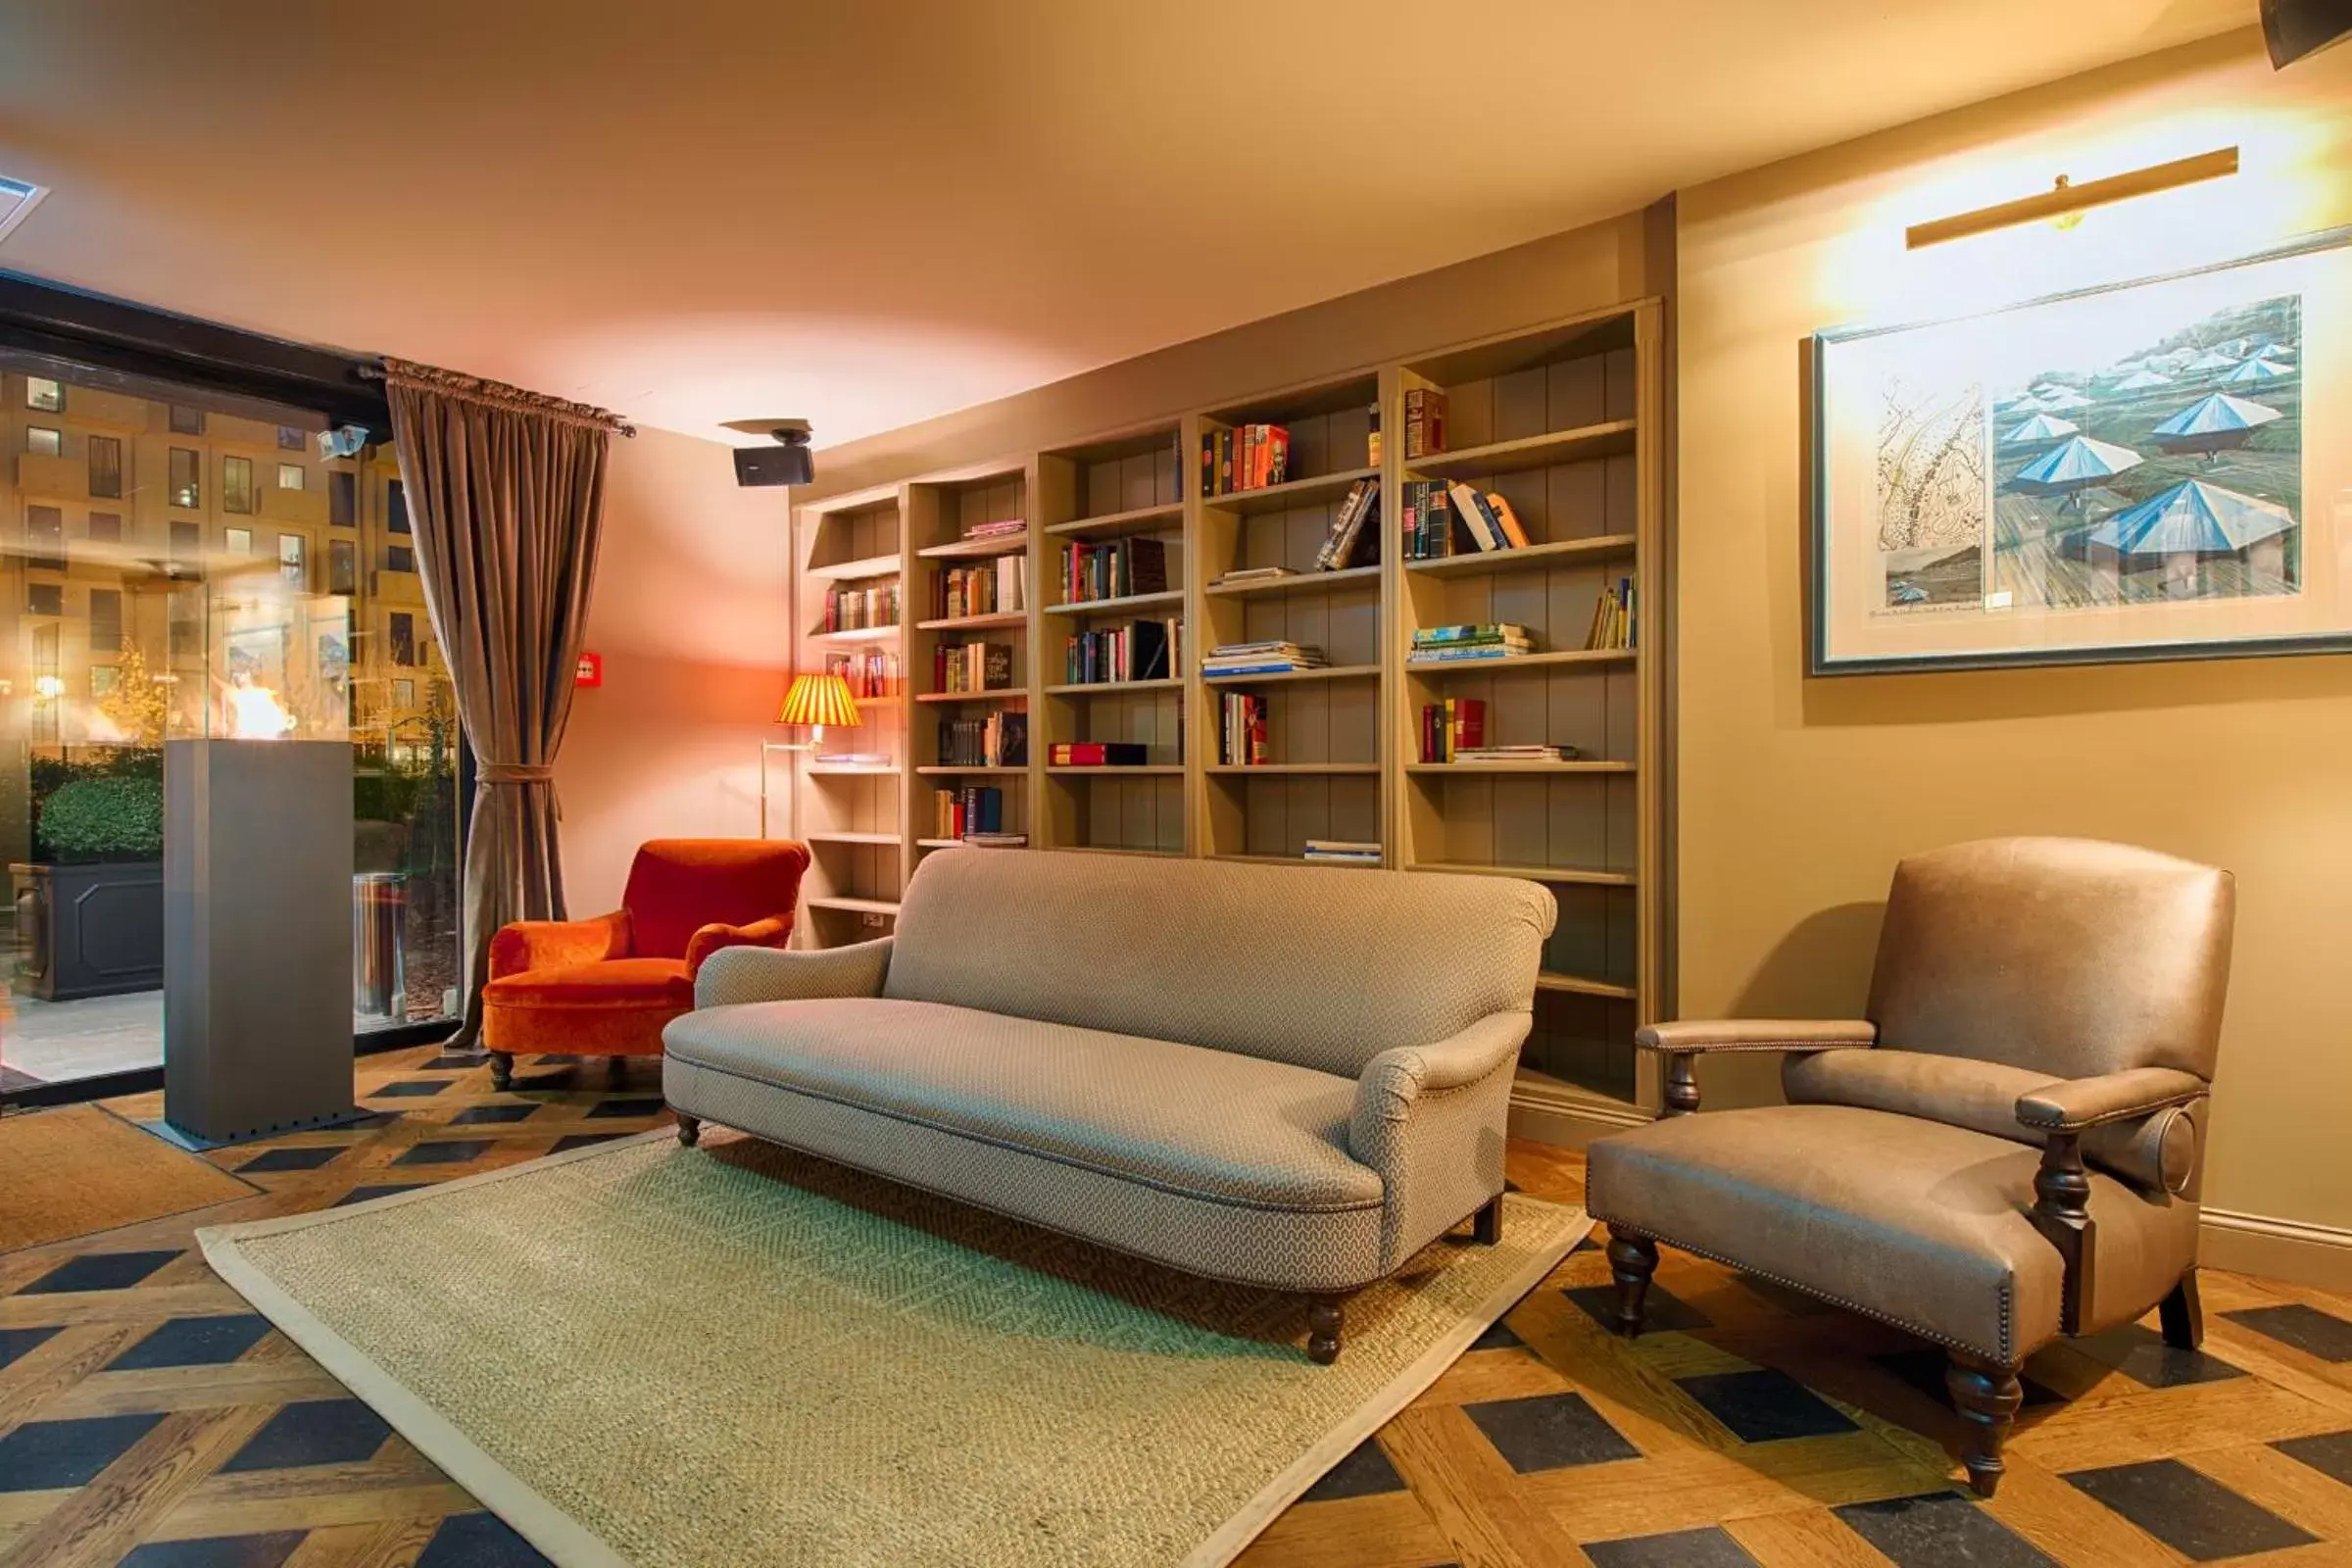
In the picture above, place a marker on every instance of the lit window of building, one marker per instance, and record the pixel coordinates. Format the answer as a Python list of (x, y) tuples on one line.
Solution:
[(403, 627), (236, 484), (44, 441), (45, 538), (343, 499), (237, 541), (44, 599), (46, 395), (187, 478), (105, 466), (187, 420), (290, 560), (292, 476)]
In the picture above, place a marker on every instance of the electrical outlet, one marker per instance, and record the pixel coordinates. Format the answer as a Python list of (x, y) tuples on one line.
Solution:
[(873, 922)]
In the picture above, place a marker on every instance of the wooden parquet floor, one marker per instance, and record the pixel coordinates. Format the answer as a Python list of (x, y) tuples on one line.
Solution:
[(148, 1417)]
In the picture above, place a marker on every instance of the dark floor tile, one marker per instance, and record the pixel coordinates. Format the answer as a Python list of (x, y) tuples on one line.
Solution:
[(546, 1083), (1924, 1370), (446, 1061), (18, 1341), (217, 1552), (449, 1152), (1548, 1432), (368, 1120), (478, 1540), (314, 1431), (42, 1455), (99, 1271), (411, 1089), (2329, 1454), (292, 1159), (194, 1342), (2188, 1510), (1498, 1336), (363, 1195), (1765, 1406), (634, 1106), (551, 1061), (1367, 1472), (1941, 1529), (2139, 1354), (1589, 1243), (574, 1140), (473, 1115), (1709, 1547), (2306, 1328), (1661, 1309)]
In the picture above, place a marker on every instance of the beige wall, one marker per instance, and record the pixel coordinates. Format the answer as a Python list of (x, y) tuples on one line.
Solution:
[(689, 614), (1795, 796)]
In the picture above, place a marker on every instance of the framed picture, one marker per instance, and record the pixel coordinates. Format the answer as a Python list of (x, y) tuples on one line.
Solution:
[(2118, 473)]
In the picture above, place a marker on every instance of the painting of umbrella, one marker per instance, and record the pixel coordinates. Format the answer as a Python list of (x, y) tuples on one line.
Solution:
[(2062, 401), (2069, 469), (2255, 370), (2214, 425), (2143, 382), (2040, 427), (2209, 361), (2187, 530)]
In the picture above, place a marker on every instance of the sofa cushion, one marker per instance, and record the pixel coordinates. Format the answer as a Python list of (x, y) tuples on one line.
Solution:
[(1207, 1124), (614, 983), (1320, 966), (1919, 1224)]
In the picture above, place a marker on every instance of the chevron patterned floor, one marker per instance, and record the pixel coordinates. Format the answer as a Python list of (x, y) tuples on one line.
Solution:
[(147, 1417)]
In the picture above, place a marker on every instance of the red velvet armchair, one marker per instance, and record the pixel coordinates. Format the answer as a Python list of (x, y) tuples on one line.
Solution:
[(606, 987)]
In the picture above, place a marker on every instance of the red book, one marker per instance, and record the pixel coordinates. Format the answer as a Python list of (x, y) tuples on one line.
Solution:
[(1470, 723)]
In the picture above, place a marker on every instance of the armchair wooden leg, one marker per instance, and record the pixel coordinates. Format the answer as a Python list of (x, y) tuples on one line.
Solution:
[(502, 1070), (1988, 1395), (1323, 1320), (1485, 1226), (1632, 1260), (2183, 1314), (690, 1129), (617, 1069)]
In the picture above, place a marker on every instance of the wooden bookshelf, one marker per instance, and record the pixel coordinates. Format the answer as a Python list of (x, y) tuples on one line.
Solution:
[(1565, 419)]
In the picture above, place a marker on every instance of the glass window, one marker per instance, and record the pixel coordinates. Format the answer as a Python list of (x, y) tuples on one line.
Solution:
[(291, 476), (105, 466), (46, 442), (106, 621), (342, 566), (404, 693), (187, 420), (238, 541), (403, 629), (44, 599), (342, 498), (44, 394), (105, 679), (45, 538), (290, 561), (187, 540), (236, 484), (290, 439), (187, 478), (105, 527), (400, 558), (396, 507)]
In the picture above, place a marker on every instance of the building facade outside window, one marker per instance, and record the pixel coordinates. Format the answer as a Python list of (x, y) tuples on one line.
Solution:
[(44, 539), (44, 442), (292, 476), (342, 498), (342, 566), (105, 527), (291, 438), (236, 485), (106, 621), (290, 564), (400, 558), (402, 628), (396, 507), (45, 395), (237, 541), (105, 466), (187, 478), (44, 599), (187, 420)]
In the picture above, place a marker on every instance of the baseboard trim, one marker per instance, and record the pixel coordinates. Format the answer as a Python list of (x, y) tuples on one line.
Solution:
[(1568, 1120), (2275, 1249)]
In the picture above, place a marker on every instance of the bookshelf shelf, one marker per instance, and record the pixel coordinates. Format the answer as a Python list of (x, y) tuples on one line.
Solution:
[(997, 694), (1578, 986), (1552, 660), (872, 840), (1561, 874), (1292, 859), (1327, 672), (1112, 688), (1166, 517), (988, 622), (1116, 770), (854, 905), (858, 635), (1124, 605), (1270, 770), (851, 771), (863, 566), (1526, 557), (1565, 766), (1002, 544), (1301, 582), (1608, 438), (949, 770), (1307, 492), (1116, 849)]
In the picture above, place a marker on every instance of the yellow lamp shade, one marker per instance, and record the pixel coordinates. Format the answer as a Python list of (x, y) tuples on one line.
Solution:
[(819, 700)]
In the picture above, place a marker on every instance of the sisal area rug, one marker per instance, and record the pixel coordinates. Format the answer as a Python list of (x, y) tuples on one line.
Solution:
[(683, 1359), (79, 1170)]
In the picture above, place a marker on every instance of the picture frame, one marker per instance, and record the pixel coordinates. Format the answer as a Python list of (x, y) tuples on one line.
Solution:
[(2107, 474)]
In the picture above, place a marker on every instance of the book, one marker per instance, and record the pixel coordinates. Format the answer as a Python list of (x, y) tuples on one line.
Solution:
[(1479, 516), (1613, 617), (1259, 658), (1142, 650), (958, 667), (1512, 531), (1248, 457), (1351, 522), (870, 673), (1512, 753), (1119, 570), (1426, 525), (1000, 739), (1242, 729), (1256, 574), (1450, 726), (1097, 754), (1344, 852), (1372, 436), (974, 810), (996, 529), (861, 608), (995, 841), (1424, 421), (1471, 632), (989, 588)]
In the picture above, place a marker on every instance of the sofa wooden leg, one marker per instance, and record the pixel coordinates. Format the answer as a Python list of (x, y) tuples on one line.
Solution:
[(1323, 1320), (1632, 1260), (1988, 1395), (690, 1129), (502, 1070), (2183, 1314), (1485, 1226), (617, 1069)]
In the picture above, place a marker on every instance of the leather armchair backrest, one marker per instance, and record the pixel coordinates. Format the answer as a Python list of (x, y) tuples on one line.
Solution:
[(678, 886), (2070, 957)]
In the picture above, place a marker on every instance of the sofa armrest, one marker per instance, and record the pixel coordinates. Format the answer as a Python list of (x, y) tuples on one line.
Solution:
[(773, 932), (521, 945), (734, 975), (1390, 1082), (1680, 1042), (1431, 1121), (2075, 1104)]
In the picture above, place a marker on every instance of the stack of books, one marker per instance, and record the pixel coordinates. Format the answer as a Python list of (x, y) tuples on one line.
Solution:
[(995, 840), (1613, 617), (1240, 730), (1465, 644), (1141, 649), (1343, 851), (1424, 421), (873, 673), (1273, 657), (973, 810), (971, 668), (1425, 524), (1353, 522), (1113, 570), (1001, 528), (1248, 457), (1001, 740), (1512, 753), (982, 590), (1451, 727), (1486, 518), (861, 608), (1097, 754)]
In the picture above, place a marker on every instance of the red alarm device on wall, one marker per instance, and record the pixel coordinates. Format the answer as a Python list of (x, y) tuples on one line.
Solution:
[(590, 671)]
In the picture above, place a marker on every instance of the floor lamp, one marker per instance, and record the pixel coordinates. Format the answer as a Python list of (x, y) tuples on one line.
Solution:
[(813, 701)]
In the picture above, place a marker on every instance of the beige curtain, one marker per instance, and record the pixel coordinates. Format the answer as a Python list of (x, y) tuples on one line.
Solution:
[(506, 493)]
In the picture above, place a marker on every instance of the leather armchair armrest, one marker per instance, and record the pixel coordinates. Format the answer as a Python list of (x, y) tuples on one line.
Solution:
[(2080, 1104), (734, 975), (524, 945), (773, 932), (1680, 1042), (1393, 1081)]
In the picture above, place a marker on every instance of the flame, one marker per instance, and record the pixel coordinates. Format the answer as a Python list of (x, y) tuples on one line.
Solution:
[(256, 714)]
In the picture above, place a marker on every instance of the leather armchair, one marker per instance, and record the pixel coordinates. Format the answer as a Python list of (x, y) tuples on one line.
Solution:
[(606, 986), (2003, 1151)]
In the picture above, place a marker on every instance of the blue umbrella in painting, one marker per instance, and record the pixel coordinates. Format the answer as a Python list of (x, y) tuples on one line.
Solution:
[(2255, 370), (2062, 401), (2079, 464), (2207, 362), (2037, 430), (2219, 422), (2193, 517), (2143, 382)]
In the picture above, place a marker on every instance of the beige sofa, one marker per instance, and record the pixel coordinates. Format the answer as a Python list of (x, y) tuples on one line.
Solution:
[(1293, 1077)]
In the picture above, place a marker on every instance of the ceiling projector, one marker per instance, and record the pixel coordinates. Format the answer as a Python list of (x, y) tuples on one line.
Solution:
[(786, 463), (2293, 28)]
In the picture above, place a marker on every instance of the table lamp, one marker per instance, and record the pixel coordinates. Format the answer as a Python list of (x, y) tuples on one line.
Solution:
[(813, 701)]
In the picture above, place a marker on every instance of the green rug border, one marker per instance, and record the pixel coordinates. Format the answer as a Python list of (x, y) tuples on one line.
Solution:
[(570, 1544)]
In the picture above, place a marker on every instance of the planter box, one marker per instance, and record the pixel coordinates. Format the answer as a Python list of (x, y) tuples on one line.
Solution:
[(90, 930)]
